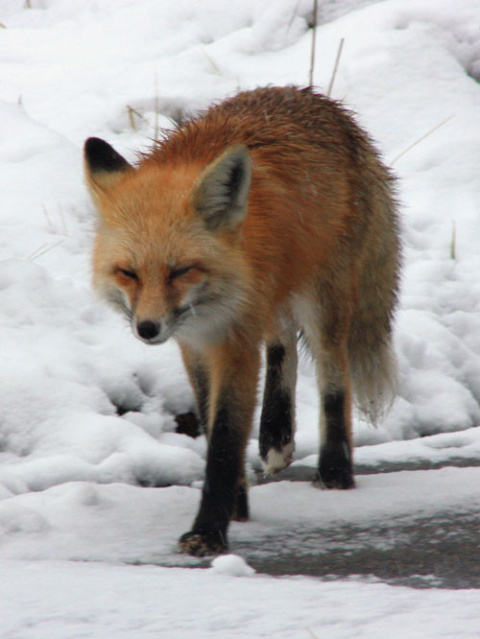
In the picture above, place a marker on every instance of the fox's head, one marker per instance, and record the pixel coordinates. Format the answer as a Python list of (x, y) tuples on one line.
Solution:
[(168, 246)]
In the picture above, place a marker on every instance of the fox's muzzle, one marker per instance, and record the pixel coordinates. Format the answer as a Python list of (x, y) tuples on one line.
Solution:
[(151, 332)]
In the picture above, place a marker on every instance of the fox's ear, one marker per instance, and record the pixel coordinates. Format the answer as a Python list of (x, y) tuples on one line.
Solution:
[(221, 193), (103, 165)]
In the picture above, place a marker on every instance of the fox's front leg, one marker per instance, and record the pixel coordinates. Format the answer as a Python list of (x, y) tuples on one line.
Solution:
[(233, 384)]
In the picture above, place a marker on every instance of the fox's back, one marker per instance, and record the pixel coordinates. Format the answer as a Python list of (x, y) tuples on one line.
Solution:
[(273, 119), (313, 174)]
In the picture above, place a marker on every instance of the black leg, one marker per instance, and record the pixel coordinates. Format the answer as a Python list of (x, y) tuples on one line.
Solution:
[(224, 467), (241, 510), (277, 422), (335, 464), (234, 368)]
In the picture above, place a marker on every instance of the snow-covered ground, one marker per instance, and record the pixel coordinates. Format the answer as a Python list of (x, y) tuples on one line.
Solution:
[(87, 429)]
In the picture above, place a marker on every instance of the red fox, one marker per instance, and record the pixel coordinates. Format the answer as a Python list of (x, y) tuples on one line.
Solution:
[(268, 217)]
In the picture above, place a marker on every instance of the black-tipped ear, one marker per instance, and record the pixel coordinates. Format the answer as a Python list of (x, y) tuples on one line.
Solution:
[(103, 165), (221, 194)]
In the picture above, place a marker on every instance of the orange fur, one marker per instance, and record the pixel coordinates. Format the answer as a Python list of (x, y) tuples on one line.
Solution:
[(271, 210)]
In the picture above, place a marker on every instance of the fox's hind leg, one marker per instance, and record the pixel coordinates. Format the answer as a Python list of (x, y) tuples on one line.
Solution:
[(277, 422), (335, 467), (326, 324)]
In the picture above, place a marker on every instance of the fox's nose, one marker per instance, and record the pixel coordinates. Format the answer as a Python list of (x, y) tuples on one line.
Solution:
[(148, 330)]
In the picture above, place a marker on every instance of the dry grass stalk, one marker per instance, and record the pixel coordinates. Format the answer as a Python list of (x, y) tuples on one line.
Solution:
[(420, 139), (314, 38), (337, 61)]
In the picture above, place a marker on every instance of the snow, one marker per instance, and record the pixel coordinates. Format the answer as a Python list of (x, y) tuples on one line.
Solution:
[(148, 601), (232, 565), (87, 429)]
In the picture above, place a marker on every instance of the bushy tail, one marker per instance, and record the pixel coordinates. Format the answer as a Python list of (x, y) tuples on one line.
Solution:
[(372, 361), (374, 378)]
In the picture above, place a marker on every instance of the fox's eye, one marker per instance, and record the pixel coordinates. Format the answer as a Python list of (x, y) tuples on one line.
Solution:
[(130, 274), (178, 272)]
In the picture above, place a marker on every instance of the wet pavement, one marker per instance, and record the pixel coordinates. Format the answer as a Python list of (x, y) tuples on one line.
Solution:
[(440, 551)]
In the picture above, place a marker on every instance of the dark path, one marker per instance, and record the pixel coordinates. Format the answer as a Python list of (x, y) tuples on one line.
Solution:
[(439, 551), (440, 548)]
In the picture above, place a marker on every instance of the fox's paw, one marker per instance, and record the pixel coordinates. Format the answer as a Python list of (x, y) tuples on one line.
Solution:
[(276, 460), (203, 544), (335, 478), (335, 468)]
